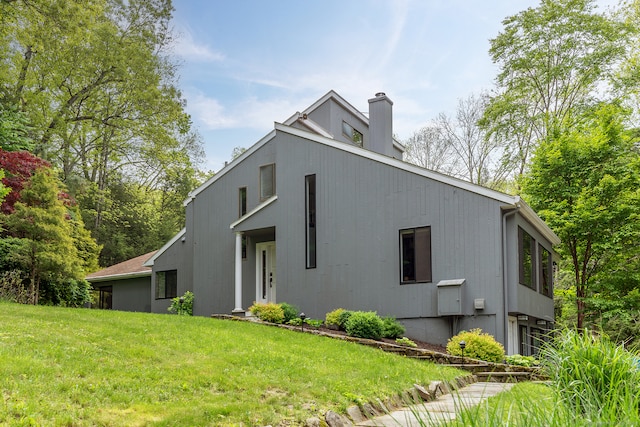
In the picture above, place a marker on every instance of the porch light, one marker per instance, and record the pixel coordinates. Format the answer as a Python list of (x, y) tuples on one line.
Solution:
[(302, 317), (523, 317), (541, 322)]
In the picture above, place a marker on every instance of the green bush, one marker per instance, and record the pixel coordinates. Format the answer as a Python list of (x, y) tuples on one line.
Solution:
[(333, 317), (391, 328), (344, 318), (479, 345), (290, 311), (364, 324), (182, 305), (269, 312), (406, 342), (520, 360)]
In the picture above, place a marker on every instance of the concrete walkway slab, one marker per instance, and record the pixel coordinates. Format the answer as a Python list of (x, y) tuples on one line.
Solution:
[(444, 408)]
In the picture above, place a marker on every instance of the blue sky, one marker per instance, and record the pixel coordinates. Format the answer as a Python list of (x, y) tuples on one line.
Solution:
[(248, 63)]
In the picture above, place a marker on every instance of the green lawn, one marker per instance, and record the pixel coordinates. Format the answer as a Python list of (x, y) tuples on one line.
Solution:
[(80, 367)]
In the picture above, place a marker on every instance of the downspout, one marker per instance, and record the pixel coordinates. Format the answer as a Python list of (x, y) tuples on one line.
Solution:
[(505, 275)]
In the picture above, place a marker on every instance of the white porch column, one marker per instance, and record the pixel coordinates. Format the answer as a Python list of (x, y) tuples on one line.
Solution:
[(238, 309)]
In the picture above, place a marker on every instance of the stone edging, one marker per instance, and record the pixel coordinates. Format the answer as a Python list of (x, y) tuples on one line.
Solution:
[(417, 395)]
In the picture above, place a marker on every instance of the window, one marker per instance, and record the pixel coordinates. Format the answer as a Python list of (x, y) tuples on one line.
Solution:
[(267, 181), (546, 272), (310, 212), (242, 201), (526, 249), (105, 297), (351, 133), (166, 284), (415, 255)]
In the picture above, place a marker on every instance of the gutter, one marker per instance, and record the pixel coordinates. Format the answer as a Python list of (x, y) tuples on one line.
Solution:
[(505, 276)]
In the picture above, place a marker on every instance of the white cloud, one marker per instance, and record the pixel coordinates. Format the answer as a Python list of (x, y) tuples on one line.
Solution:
[(210, 113), (188, 48)]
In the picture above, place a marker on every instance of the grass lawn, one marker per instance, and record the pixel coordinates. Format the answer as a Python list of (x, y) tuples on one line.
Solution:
[(79, 367)]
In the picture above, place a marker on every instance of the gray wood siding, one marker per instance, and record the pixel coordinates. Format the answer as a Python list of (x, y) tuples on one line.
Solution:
[(131, 294), (522, 299), (361, 207)]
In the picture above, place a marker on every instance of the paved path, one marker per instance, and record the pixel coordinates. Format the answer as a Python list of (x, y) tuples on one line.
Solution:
[(443, 408)]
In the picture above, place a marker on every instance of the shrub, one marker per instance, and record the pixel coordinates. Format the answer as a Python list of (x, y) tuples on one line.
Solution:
[(269, 312), (391, 328), (290, 311), (344, 318), (364, 324), (479, 345), (520, 360), (333, 317), (182, 305), (406, 342)]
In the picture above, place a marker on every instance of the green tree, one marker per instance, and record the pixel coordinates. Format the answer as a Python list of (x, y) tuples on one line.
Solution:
[(585, 183), (555, 60), (96, 83), (53, 247)]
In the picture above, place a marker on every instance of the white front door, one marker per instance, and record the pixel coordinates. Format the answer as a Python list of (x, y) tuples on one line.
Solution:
[(266, 272)]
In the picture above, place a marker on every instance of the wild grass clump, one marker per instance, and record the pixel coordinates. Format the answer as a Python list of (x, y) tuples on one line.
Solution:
[(594, 378), (592, 382)]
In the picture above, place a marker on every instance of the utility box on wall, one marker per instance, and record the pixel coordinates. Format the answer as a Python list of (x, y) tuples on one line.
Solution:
[(450, 297)]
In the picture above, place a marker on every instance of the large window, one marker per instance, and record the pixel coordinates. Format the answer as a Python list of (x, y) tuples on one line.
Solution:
[(415, 255), (267, 181), (310, 212), (526, 246), (166, 284), (351, 133), (242, 201), (546, 272)]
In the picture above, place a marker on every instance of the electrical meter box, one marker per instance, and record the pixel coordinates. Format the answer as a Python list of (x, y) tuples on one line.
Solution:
[(450, 297)]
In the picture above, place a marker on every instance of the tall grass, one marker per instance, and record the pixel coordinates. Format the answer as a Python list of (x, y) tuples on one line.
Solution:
[(593, 382)]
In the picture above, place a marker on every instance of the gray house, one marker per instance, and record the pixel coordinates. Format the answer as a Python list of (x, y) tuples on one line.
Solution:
[(323, 213), (125, 286)]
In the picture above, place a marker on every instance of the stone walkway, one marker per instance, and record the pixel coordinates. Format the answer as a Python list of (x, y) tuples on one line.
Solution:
[(443, 408)]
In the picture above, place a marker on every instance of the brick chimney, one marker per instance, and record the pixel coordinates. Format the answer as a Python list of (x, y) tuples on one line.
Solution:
[(380, 125)]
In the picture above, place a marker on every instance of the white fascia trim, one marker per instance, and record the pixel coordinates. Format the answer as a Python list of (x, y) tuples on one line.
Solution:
[(268, 137), (340, 100), (531, 216), (120, 276), (381, 158), (254, 211), (150, 261), (313, 126)]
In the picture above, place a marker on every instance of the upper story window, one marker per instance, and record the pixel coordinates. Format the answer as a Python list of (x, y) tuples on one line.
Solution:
[(351, 133), (526, 249), (166, 284), (267, 181), (242, 201), (310, 212), (546, 271), (415, 255)]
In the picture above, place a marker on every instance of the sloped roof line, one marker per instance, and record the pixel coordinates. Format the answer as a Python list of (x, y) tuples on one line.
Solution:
[(134, 267), (268, 137), (180, 234), (515, 201), (253, 211)]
